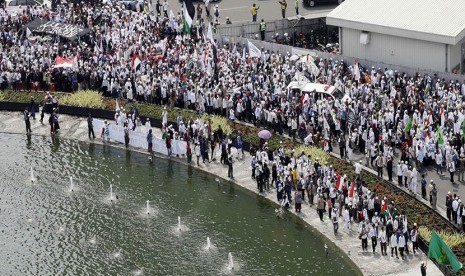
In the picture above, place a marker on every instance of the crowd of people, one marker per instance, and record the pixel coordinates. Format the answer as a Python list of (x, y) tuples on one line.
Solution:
[(144, 55)]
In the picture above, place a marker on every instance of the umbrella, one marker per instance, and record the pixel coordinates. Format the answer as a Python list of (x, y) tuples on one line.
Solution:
[(294, 58), (264, 134)]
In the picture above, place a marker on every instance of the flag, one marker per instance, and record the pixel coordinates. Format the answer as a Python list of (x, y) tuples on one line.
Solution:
[(305, 99), (463, 129), (439, 251), (339, 181), (352, 190), (188, 12), (28, 33), (408, 126), (75, 63), (161, 45), (356, 71), (135, 61), (440, 137), (253, 50), (61, 62), (210, 34)]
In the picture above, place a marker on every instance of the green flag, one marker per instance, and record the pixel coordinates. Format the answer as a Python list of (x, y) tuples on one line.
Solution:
[(408, 126), (440, 137), (439, 251), (188, 12)]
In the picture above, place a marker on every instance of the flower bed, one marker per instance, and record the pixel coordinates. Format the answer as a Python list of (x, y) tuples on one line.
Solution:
[(415, 210)]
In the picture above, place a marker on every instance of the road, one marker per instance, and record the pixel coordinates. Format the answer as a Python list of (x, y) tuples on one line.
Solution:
[(240, 10)]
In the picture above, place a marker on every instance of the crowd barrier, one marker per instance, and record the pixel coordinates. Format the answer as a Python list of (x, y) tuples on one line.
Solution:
[(138, 139)]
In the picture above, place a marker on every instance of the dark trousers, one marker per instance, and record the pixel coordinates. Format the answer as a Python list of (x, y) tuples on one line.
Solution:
[(401, 251), (254, 18), (28, 126), (380, 171), (230, 170), (415, 246), (399, 180), (449, 213), (364, 243), (283, 12), (262, 35), (383, 248), (374, 243), (320, 213), (392, 251), (91, 131)]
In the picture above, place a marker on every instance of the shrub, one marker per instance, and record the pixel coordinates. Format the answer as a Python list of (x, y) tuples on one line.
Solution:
[(85, 98), (453, 240), (314, 152), (217, 121)]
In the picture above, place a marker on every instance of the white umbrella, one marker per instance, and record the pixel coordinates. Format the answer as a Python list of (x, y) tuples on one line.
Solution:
[(294, 58)]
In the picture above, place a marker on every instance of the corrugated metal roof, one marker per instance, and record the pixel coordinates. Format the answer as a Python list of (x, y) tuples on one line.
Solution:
[(441, 21)]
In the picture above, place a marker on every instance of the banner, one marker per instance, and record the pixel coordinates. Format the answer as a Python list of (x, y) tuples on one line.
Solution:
[(69, 31), (138, 139)]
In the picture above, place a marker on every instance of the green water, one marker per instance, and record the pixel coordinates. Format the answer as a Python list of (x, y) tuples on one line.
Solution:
[(46, 229)]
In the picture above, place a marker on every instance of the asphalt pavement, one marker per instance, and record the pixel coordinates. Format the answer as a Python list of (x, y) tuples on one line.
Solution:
[(239, 11)]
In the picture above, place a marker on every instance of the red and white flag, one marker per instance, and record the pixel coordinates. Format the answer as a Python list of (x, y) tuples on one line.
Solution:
[(135, 61), (352, 190), (61, 62), (339, 182)]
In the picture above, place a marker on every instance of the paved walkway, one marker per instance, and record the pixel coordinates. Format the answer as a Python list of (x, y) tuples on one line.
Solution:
[(76, 128)]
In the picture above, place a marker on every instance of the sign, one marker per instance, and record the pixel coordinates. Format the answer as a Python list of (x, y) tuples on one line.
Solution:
[(139, 140), (69, 31)]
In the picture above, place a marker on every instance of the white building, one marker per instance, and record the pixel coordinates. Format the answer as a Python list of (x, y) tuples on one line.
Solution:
[(423, 34)]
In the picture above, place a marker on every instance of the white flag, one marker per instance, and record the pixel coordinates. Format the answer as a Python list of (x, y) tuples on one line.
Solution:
[(161, 45), (253, 50), (356, 71), (210, 34), (28, 33)]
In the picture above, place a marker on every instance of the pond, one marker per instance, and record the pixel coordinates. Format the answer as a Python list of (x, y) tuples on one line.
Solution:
[(55, 225)]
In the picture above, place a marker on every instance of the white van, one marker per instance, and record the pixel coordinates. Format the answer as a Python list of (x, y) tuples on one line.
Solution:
[(318, 91)]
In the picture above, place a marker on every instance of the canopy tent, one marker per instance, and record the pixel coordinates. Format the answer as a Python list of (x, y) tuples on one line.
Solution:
[(65, 30)]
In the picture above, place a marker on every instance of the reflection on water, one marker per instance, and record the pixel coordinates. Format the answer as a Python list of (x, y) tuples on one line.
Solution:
[(48, 230)]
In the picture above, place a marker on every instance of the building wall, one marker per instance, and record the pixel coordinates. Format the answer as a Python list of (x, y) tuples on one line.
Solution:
[(455, 55), (394, 50)]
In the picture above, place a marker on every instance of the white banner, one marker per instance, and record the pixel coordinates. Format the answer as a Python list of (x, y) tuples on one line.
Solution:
[(138, 139)]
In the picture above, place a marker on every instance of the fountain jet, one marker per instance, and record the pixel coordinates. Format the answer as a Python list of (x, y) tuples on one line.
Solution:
[(208, 243), (33, 179), (230, 261), (71, 185)]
